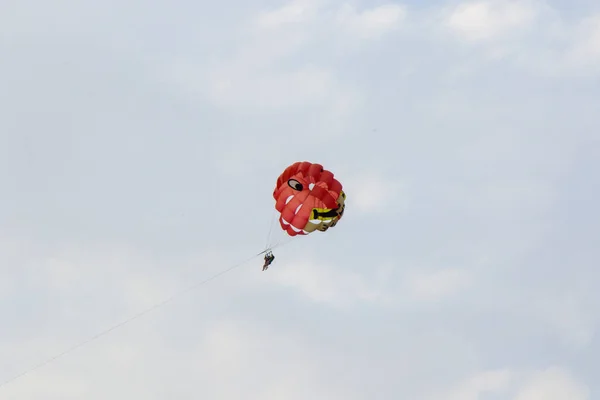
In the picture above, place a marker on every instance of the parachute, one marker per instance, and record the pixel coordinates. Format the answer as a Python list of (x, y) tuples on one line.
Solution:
[(309, 198)]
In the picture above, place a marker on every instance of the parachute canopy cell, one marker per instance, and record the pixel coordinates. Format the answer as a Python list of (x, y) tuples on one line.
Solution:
[(309, 199)]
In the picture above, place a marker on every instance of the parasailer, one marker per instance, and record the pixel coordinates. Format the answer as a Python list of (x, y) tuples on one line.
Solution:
[(269, 257), (309, 198)]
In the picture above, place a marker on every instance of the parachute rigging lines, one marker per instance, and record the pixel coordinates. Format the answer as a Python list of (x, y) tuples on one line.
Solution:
[(276, 236)]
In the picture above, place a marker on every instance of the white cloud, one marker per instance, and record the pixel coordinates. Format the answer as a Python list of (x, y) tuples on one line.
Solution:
[(122, 272), (372, 192), (52, 386), (478, 385), (371, 23), (10, 266), (383, 286), (530, 34), (433, 286), (242, 352), (584, 53), (366, 23), (259, 76), (80, 280), (272, 89), (489, 19), (158, 366), (297, 11), (572, 319), (553, 384), (330, 285)]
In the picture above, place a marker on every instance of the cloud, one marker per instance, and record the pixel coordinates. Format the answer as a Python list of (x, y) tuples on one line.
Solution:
[(109, 269), (262, 77), (297, 11), (553, 384), (569, 315), (367, 23), (371, 23), (530, 34), (331, 285), (436, 285), (372, 192), (584, 53), (478, 386), (230, 349), (229, 358), (270, 89), (386, 285), (265, 73), (491, 19)]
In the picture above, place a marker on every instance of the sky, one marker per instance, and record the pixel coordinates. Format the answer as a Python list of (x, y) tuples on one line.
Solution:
[(140, 143)]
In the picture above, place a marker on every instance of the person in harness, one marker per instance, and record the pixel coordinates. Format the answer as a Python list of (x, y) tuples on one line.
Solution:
[(269, 257)]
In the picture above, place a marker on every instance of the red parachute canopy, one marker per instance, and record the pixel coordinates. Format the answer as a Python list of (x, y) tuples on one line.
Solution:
[(309, 198)]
